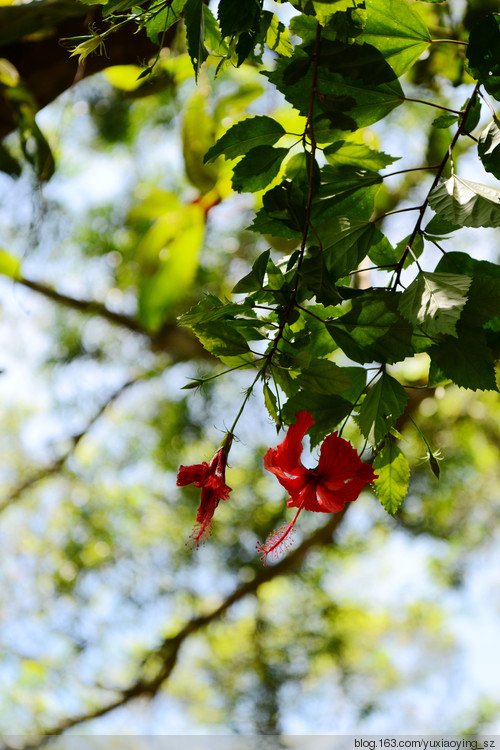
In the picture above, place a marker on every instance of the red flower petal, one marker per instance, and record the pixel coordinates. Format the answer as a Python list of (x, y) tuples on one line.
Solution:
[(287, 455), (189, 474), (307, 497)]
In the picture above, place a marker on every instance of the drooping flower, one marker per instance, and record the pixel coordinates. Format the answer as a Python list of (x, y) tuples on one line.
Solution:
[(338, 479), (212, 480)]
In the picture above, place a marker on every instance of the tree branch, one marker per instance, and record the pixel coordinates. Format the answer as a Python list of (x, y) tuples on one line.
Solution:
[(168, 651), (59, 463), (179, 343), (29, 39)]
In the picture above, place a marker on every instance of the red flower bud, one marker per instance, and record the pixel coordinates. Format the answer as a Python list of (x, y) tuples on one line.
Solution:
[(212, 480)]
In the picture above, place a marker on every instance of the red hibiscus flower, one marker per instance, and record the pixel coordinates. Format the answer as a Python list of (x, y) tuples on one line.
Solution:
[(338, 479), (212, 480)]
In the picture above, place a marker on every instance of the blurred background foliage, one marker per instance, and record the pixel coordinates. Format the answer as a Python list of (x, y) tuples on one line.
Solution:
[(108, 621)]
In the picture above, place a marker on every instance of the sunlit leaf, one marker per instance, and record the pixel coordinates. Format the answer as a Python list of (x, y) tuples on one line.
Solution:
[(246, 135), (397, 31), (435, 301), (381, 408), (466, 203), (488, 148), (393, 480)]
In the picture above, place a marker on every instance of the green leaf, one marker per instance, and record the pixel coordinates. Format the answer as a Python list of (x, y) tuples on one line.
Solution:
[(373, 330), (355, 202), (473, 115), (236, 16), (211, 308), (336, 181), (276, 34), (168, 256), (163, 20), (466, 203), (255, 279), (271, 404), (283, 211), (438, 226), (488, 148), (258, 168), (355, 86), (245, 136), (346, 25), (417, 249), (393, 480), (381, 252), (483, 53), (323, 376), (381, 408), (10, 265), (222, 339), (317, 278), (466, 359), (197, 136), (483, 304), (194, 18), (393, 27), (434, 301), (347, 153), (444, 121), (8, 164), (346, 241)]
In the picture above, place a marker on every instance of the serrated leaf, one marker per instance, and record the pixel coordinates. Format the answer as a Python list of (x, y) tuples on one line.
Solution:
[(373, 330), (466, 203), (393, 480), (417, 249), (483, 53), (271, 404), (466, 359), (283, 211), (381, 252), (163, 20), (221, 338), (245, 136), (397, 31), (258, 168), (488, 148), (473, 115), (381, 408), (236, 16), (276, 34), (323, 376), (483, 303), (438, 226), (434, 301), (359, 155), (255, 279), (194, 18), (346, 241), (355, 86), (444, 121), (317, 278)]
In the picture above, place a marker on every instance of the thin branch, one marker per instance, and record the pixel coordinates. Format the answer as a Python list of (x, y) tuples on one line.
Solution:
[(169, 649), (59, 462), (446, 158), (170, 338), (432, 104)]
